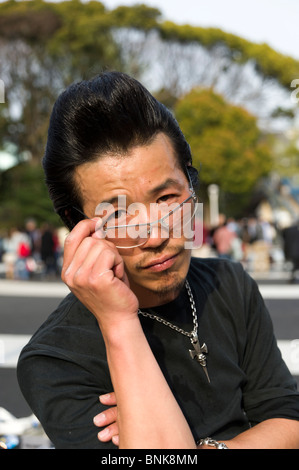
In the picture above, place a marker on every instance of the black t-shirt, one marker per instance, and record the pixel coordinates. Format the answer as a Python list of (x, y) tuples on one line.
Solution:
[(63, 369)]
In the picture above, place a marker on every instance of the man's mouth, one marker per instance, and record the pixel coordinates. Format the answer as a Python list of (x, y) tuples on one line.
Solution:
[(161, 263)]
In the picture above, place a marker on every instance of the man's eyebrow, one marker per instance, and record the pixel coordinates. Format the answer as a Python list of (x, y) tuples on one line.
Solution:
[(112, 200), (165, 185), (157, 189)]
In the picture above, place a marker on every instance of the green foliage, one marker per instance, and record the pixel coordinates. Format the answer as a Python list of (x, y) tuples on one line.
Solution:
[(139, 16), (82, 27), (269, 62), (45, 46), (225, 141), (286, 157), (83, 45), (23, 194), (33, 21)]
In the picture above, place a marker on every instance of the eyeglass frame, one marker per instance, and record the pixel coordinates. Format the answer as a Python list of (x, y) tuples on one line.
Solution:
[(193, 196), (155, 222)]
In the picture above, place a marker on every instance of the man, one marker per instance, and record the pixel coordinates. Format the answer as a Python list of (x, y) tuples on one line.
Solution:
[(119, 174)]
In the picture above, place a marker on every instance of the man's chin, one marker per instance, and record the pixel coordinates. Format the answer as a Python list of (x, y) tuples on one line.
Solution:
[(155, 288), (170, 286), (161, 290)]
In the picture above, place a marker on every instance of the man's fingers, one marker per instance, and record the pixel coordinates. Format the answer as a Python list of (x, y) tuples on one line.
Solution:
[(106, 417), (85, 254), (85, 228), (108, 420), (109, 433), (108, 259), (115, 440), (108, 399)]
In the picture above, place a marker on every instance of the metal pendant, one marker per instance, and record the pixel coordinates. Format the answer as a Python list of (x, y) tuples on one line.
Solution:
[(198, 353)]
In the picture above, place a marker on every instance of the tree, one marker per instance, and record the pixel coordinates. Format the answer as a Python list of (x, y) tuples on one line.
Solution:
[(43, 48), (285, 150), (24, 195), (180, 57), (269, 62), (225, 141)]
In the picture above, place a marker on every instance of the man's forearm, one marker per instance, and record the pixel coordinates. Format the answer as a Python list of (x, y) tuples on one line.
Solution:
[(275, 433), (148, 414)]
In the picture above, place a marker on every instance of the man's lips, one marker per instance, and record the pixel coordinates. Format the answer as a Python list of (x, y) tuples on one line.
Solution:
[(161, 263)]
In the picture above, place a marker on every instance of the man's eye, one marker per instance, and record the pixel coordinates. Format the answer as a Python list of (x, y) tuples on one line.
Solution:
[(167, 197), (119, 214), (115, 218)]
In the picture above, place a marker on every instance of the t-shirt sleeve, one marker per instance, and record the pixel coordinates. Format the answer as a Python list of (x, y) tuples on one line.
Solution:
[(270, 390), (64, 396)]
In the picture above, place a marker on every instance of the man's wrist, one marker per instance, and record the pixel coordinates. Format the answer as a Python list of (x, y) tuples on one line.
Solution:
[(116, 334)]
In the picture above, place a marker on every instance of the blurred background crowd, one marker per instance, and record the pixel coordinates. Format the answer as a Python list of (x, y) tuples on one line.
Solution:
[(36, 252), (261, 246), (31, 252)]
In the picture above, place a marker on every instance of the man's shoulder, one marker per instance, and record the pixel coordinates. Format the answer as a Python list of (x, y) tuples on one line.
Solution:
[(65, 328), (68, 312), (216, 266), (219, 274)]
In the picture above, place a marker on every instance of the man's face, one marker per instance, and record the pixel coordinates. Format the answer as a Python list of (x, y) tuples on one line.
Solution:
[(148, 174)]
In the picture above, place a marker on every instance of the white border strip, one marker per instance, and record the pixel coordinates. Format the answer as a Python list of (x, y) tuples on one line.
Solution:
[(59, 289), (290, 353), (279, 291), (33, 289), (11, 346)]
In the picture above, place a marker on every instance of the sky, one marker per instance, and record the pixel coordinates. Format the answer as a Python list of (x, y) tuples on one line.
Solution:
[(275, 22)]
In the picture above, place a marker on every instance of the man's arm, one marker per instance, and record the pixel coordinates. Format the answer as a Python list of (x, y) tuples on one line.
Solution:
[(270, 434), (148, 413), (274, 433)]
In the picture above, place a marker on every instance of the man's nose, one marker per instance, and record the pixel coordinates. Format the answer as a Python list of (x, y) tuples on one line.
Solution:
[(157, 234)]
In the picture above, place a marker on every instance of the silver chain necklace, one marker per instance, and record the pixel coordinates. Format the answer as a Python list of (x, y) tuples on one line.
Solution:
[(198, 352)]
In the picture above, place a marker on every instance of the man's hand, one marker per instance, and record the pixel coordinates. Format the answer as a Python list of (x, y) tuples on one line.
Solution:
[(108, 420), (94, 271)]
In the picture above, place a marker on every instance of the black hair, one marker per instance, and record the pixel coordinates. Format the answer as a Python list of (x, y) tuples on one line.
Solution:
[(109, 114)]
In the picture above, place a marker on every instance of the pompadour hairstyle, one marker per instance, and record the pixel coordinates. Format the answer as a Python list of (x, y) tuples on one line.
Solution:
[(109, 114)]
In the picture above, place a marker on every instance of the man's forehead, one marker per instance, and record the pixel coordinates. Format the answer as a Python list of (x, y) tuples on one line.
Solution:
[(143, 172)]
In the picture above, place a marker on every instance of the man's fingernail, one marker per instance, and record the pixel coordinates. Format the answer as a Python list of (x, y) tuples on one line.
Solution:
[(105, 397), (103, 434), (99, 419)]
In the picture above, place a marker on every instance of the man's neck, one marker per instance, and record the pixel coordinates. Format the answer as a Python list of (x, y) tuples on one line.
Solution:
[(155, 298)]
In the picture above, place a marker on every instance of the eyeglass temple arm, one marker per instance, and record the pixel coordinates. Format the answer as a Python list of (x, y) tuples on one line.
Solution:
[(190, 181), (82, 213)]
